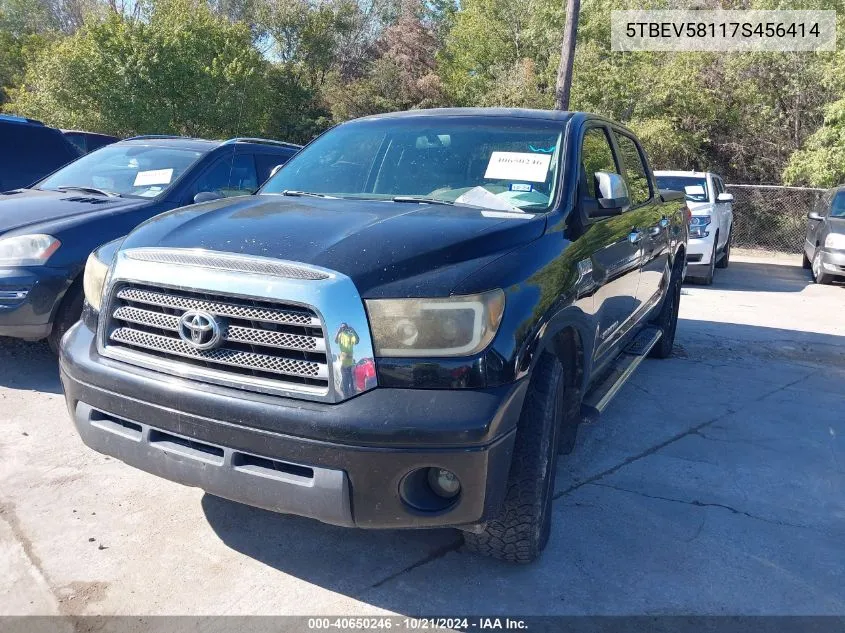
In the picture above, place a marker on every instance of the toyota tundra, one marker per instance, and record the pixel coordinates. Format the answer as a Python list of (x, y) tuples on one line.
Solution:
[(403, 328)]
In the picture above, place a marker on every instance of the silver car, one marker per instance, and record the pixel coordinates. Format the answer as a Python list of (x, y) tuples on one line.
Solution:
[(824, 245)]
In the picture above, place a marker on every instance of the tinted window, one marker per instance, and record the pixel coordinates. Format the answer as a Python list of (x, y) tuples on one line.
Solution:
[(503, 164), (215, 178), (596, 155), (639, 189), (265, 163), (243, 179), (30, 152)]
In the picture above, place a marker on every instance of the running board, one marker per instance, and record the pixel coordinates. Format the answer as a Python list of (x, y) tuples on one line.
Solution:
[(600, 394)]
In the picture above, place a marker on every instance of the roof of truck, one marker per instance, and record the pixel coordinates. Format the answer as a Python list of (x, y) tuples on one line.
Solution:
[(524, 113)]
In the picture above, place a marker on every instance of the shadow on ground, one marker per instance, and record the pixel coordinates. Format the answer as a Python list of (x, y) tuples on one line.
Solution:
[(28, 366)]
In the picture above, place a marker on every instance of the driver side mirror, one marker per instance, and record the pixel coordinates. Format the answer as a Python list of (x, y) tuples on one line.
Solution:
[(815, 216), (613, 194), (207, 196), (725, 197), (275, 170)]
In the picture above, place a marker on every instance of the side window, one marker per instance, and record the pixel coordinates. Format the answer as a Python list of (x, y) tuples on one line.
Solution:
[(837, 206), (265, 163), (596, 155), (215, 178), (244, 179), (635, 172)]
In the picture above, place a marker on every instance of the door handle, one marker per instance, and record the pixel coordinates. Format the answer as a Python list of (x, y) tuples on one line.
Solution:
[(635, 237)]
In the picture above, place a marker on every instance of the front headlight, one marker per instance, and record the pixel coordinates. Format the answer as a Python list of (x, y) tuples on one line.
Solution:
[(94, 280), (698, 226), (835, 240), (454, 326), (27, 250)]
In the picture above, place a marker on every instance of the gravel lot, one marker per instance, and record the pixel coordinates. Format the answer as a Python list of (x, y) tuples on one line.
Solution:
[(715, 483)]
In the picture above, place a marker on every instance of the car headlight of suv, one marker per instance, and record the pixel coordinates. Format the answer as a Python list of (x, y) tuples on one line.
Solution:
[(698, 226), (835, 240), (94, 280), (27, 250), (453, 326)]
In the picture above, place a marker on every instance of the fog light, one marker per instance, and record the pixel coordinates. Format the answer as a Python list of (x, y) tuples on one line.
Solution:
[(443, 482)]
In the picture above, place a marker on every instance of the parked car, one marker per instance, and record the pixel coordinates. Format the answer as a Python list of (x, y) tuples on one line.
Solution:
[(47, 231), (711, 226), (824, 245), (402, 330), (87, 142), (29, 150)]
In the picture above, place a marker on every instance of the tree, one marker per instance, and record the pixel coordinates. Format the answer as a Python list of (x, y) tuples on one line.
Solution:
[(180, 69)]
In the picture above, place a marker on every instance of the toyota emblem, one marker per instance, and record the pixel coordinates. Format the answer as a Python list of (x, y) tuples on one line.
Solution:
[(201, 330)]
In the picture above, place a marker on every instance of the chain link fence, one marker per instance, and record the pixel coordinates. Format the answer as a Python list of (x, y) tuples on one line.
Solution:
[(771, 218)]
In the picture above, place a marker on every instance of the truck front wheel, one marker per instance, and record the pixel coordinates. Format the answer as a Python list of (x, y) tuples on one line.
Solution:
[(521, 530)]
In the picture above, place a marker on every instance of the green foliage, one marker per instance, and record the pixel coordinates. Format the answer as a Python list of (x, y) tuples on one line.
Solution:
[(821, 163), (182, 71)]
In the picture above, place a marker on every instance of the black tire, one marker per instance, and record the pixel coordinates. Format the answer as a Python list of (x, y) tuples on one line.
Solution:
[(726, 255), (806, 264), (819, 275), (707, 280), (521, 530), (68, 313), (667, 318)]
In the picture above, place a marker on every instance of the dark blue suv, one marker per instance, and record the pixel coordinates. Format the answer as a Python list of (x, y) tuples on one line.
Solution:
[(29, 150), (47, 231)]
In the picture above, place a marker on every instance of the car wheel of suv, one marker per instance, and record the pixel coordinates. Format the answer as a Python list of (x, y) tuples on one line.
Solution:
[(805, 261), (708, 279), (521, 530), (667, 319), (726, 255), (819, 275), (68, 313)]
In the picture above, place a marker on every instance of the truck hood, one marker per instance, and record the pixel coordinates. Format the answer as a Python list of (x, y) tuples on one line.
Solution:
[(22, 208), (387, 248)]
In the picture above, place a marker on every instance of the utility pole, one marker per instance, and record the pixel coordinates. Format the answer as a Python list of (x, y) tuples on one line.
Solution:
[(567, 55)]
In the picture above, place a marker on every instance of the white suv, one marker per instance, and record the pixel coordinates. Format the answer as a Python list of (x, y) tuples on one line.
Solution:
[(711, 222)]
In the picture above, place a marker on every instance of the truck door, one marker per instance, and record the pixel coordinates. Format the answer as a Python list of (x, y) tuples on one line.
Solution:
[(649, 216), (614, 244)]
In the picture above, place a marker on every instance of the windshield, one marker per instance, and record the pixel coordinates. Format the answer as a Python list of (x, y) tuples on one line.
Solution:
[(694, 187), (126, 170), (507, 164)]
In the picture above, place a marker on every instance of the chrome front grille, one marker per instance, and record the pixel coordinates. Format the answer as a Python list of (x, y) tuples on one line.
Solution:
[(263, 342)]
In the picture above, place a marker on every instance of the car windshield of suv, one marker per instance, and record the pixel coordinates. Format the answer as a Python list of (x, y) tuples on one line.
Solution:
[(504, 164), (695, 188), (125, 170)]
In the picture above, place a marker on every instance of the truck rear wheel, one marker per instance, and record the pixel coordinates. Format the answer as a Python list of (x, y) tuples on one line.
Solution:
[(667, 318), (521, 530)]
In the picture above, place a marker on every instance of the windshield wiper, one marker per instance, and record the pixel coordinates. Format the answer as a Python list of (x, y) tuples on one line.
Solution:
[(308, 194), (101, 192), (421, 200)]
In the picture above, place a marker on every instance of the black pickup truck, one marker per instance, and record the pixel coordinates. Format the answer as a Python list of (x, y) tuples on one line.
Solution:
[(402, 329)]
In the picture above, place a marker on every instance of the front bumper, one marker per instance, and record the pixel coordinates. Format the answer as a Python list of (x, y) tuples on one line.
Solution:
[(341, 463), (833, 262), (700, 250), (28, 298)]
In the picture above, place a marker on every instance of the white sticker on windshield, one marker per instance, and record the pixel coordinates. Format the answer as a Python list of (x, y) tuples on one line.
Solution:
[(153, 177), (694, 190), (518, 166)]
